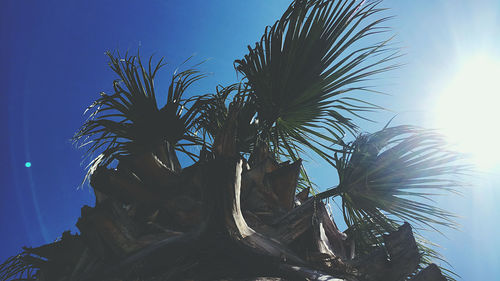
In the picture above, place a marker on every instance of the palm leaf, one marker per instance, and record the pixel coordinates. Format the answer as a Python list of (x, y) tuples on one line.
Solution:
[(389, 177), (214, 113), (305, 72), (396, 171), (129, 120), (20, 267)]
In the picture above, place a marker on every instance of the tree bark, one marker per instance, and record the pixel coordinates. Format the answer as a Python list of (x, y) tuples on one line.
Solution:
[(226, 240)]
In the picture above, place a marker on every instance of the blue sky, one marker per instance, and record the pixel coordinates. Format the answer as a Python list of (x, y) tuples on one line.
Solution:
[(53, 66)]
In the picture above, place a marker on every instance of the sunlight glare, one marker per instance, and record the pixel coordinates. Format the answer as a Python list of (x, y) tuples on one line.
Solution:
[(468, 112)]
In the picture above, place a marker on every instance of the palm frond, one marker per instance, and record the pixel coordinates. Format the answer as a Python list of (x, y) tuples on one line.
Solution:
[(214, 113), (391, 176), (20, 267), (305, 72), (367, 233), (396, 171), (129, 120)]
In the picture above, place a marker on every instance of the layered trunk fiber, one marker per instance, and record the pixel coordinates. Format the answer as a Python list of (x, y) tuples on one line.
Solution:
[(216, 220)]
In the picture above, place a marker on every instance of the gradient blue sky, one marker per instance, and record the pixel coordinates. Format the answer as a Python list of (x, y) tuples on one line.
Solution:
[(53, 66)]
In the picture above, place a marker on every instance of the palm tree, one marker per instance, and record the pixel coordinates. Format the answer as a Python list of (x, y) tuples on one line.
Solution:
[(246, 209)]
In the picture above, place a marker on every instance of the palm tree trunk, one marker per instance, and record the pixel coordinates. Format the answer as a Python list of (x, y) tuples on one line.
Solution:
[(230, 238)]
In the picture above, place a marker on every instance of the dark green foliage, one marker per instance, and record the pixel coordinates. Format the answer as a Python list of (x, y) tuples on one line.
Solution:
[(305, 71)]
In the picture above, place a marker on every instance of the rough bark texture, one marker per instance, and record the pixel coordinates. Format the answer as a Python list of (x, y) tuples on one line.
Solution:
[(216, 220)]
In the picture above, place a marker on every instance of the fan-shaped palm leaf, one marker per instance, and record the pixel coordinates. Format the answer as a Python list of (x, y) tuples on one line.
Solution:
[(129, 121), (394, 171), (303, 67), (388, 177)]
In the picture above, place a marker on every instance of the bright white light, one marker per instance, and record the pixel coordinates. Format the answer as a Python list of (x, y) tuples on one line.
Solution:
[(468, 111)]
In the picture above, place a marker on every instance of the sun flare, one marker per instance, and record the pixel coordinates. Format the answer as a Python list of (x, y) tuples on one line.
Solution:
[(468, 110)]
